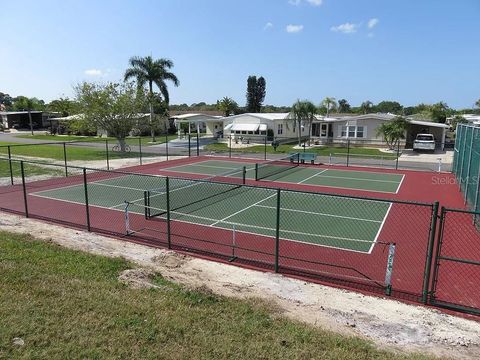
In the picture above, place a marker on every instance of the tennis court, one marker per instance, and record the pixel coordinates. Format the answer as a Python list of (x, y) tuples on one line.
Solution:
[(282, 171), (342, 223)]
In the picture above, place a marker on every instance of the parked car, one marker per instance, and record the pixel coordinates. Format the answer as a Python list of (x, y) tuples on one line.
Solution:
[(424, 142)]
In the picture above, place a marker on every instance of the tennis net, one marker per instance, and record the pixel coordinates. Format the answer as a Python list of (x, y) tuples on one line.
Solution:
[(275, 167), (192, 193)]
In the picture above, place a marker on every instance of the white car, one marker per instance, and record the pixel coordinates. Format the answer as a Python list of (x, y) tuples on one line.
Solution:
[(424, 142)]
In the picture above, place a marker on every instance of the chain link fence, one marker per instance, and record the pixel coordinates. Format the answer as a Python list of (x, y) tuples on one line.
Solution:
[(466, 163), (383, 246)]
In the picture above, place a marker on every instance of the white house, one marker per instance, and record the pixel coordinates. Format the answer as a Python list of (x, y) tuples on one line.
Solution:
[(202, 123), (258, 125), (362, 129)]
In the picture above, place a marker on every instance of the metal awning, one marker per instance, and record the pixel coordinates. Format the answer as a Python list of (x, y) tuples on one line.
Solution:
[(245, 127), (263, 127), (228, 127)]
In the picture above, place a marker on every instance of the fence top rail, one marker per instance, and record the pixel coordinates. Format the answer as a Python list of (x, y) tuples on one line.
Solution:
[(464, 211), (314, 193)]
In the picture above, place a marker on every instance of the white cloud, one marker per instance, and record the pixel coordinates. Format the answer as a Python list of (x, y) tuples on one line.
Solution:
[(372, 22), (315, 2), (294, 2), (347, 28), (294, 28), (268, 25), (93, 72)]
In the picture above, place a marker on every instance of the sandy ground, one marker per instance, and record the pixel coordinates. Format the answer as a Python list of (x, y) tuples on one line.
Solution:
[(390, 324)]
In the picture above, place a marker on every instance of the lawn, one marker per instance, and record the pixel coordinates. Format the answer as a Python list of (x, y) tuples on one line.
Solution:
[(322, 151), (146, 140), (51, 151), (68, 304), (30, 170)]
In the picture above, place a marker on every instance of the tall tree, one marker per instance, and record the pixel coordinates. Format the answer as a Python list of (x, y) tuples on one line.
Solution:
[(392, 107), (303, 112), (6, 100), (477, 103), (146, 70), (65, 106), (343, 106), (330, 104), (439, 112), (256, 91), (112, 107), (366, 106), (227, 106)]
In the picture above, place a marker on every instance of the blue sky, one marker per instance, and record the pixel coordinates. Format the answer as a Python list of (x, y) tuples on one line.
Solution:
[(411, 51)]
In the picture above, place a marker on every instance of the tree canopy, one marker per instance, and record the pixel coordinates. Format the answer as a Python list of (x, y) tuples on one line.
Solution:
[(393, 131), (344, 106), (114, 107), (227, 105), (256, 91)]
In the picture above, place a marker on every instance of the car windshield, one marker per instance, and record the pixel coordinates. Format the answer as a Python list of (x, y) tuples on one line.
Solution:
[(425, 137)]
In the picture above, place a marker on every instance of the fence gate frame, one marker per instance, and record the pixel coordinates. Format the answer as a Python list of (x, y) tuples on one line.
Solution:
[(439, 258)]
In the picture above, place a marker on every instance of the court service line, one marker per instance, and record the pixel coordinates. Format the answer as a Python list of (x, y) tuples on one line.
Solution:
[(308, 178), (359, 179), (240, 211), (380, 228), (400, 184), (321, 214)]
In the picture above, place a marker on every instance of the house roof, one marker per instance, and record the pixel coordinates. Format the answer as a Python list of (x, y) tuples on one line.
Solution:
[(428, 123), (19, 112), (175, 113), (195, 117), (261, 116)]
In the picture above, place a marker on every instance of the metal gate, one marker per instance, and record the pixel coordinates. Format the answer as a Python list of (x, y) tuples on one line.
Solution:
[(456, 274)]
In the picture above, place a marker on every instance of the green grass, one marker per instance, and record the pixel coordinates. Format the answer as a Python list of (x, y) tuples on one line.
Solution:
[(30, 170), (286, 148), (73, 152), (146, 140), (69, 304)]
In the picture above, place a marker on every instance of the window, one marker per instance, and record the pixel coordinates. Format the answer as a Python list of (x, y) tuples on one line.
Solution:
[(351, 131), (360, 133), (323, 130), (280, 129)]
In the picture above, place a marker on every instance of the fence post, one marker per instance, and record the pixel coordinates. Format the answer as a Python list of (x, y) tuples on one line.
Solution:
[(198, 145), (166, 144), (140, 149), (189, 144), (230, 145), (106, 150), (437, 253), (428, 262), (469, 167), (277, 233), (167, 188), (10, 164), (85, 187), (65, 158), (348, 152), (398, 154), (265, 148), (22, 169)]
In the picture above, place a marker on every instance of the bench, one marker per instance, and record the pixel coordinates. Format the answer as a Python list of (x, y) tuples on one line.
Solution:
[(304, 157)]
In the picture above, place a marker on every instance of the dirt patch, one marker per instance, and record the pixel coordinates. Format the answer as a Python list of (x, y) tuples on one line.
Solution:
[(389, 323)]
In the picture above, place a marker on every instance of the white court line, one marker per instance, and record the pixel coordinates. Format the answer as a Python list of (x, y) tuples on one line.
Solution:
[(400, 184), (246, 208), (359, 179), (321, 214), (308, 178), (380, 229)]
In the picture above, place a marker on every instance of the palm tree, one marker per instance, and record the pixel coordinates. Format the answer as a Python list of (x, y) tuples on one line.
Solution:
[(393, 131), (303, 111), (147, 70), (330, 104), (227, 105), (28, 104), (366, 106)]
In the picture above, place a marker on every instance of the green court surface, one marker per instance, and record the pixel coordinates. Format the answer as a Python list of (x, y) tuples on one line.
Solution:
[(344, 223), (321, 176)]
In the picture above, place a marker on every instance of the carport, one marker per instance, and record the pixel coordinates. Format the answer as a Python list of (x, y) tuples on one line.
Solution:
[(438, 130)]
